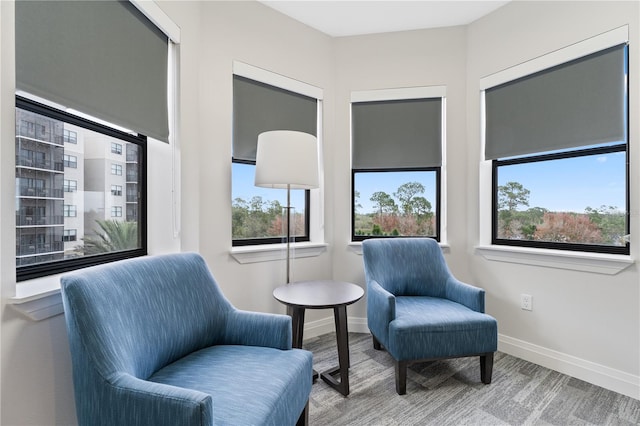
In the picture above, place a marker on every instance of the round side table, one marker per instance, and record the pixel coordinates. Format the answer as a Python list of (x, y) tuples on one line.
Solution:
[(323, 294)]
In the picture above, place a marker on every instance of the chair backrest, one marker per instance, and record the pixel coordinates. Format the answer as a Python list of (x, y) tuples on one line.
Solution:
[(138, 315), (406, 266)]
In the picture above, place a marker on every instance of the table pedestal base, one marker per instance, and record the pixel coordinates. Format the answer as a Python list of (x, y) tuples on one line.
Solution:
[(342, 337)]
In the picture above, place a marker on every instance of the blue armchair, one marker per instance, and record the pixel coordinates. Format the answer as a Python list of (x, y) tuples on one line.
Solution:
[(154, 342), (418, 311)]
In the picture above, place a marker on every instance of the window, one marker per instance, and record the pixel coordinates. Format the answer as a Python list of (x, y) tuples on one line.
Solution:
[(397, 162), (116, 190), (257, 213), (69, 136), (57, 99), (395, 203), (69, 210), (116, 148), (559, 160), (70, 161), (116, 211), (116, 169), (49, 247), (69, 235), (69, 185)]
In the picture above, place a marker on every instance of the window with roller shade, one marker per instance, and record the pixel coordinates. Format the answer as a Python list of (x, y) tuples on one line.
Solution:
[(67, 127), (257, 213), (396, 167), (557, 141)]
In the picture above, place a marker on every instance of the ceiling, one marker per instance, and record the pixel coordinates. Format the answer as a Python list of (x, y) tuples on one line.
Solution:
[(346, 18)]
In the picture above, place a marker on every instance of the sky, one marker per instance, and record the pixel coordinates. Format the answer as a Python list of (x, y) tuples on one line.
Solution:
[(561, 185), (243, 187), (572, 184)]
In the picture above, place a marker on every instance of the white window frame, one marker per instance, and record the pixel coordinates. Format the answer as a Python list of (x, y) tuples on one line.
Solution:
[(316, 244), (602, 263), (405, 93)]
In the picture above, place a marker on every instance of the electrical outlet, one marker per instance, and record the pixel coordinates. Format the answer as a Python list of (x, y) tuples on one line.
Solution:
[(526, 302)]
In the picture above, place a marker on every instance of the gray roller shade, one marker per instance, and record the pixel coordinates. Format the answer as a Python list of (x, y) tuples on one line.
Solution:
[(102, 58), (260, 107), (397, 134), (575, 104)]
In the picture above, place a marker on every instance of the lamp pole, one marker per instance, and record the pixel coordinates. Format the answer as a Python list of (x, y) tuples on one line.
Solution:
[(288, 229)]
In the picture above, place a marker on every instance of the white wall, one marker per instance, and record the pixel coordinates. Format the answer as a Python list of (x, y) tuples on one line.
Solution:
[(584, 323), (385, 61), (591, 318), (254, 34)]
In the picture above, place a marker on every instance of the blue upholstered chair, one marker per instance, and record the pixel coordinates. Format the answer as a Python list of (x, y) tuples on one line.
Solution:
[(155, 342), (418, 311)]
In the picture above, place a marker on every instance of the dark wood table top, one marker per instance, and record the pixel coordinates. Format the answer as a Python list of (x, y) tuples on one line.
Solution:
[(320, 294)]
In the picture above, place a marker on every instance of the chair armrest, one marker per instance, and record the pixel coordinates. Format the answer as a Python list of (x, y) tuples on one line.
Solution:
[(135, 401), (470, 296), (258, 329), (381, 310)]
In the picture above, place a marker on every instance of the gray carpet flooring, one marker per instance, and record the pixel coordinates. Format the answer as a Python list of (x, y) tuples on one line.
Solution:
[(449, 392)]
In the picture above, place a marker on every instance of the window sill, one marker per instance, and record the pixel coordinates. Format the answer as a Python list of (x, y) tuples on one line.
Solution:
[(38, 299), (608, 264), (267, 253)]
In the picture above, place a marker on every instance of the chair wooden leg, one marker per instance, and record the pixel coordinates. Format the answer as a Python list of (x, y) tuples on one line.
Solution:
[(376, 344), (303, 420), (401, 377), (486, 367)]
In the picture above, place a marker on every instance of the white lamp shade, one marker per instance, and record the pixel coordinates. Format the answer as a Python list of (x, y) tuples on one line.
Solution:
[(287, 158)]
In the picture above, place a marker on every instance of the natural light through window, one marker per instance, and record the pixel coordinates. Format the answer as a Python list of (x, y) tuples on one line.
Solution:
[(559, 159), (259, 212), (574, 200), (66, 205), (395, 203)]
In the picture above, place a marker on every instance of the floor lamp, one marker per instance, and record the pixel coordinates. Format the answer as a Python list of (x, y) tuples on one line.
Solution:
[(287, 159)]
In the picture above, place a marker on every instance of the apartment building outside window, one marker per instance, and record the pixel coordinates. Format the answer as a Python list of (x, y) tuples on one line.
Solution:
[(72, 129), (60, 195)]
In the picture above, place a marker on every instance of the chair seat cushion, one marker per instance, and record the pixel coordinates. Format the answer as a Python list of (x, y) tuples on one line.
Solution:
[(431, 327), (249, 385)]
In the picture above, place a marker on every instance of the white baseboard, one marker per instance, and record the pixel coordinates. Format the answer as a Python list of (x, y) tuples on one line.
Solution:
[(327, 325), (597, 374)]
